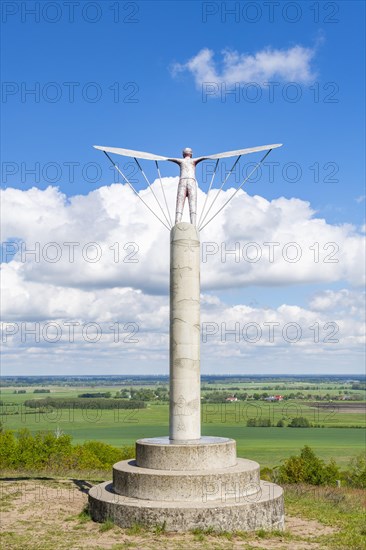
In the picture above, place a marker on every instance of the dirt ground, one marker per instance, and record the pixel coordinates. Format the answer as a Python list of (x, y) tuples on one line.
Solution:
[(47, 514)]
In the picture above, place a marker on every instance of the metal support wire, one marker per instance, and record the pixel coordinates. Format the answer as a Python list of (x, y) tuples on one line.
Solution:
[(162, 188), (240, 186), (219, 191), (151, 189), (134, 190), (209, 189)]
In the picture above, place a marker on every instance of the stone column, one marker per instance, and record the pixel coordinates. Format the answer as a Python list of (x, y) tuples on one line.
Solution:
[(185, 399)]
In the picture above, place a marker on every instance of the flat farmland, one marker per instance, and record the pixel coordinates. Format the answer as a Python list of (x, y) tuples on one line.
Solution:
[(337, 439)]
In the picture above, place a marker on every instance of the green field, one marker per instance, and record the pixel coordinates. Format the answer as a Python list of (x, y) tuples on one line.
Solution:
[(266, 445)]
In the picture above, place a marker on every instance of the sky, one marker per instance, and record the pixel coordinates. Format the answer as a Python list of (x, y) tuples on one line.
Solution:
[(282, 266)]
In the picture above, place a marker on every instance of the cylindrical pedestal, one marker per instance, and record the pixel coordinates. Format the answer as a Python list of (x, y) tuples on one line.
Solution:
[(187, 482), (184, 406)]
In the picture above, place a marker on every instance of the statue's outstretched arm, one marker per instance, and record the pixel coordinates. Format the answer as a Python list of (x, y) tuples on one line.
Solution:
[(177, 161), (199, 159)]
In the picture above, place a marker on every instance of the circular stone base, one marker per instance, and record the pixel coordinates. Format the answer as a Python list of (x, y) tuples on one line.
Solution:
[(186, 485), (202, 485), (264, 510), (162, 453)]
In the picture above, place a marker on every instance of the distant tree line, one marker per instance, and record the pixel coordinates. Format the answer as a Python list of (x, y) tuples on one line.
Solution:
[(160, 393), (297, 422), (220, 396), (95, 395), (81, 403), (280, 381)]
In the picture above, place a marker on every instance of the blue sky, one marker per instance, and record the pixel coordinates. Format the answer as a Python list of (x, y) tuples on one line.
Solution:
[(323, 138)]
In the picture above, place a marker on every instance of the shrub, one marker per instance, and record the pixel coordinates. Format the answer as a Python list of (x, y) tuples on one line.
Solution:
[(267, 474), (7, 448), (259, 423), (42, 449), (107, 455), (308, 468), (46, 450), (356, 474), (299, 422)]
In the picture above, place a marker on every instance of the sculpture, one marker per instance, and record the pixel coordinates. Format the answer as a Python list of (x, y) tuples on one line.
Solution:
[(186, 480), (187, 186)]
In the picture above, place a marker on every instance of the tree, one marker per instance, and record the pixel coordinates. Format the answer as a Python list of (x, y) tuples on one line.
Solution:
[(259, 422), (299, 422), (356, 475), (308, 468), (8, 446), (251, 422)]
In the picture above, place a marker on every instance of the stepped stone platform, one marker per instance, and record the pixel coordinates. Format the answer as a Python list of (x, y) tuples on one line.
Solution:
[(188, 484)]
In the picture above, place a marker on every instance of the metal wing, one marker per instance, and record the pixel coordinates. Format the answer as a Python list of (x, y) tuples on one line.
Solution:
[(151, 156), (130, 153), (243, 151)]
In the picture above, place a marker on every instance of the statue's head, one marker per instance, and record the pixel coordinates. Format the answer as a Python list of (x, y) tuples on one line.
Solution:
[(187, 152)]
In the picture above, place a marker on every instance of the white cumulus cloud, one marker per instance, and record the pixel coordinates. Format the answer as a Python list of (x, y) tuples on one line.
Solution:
[(118, 272), (108, 239), (288, 65)]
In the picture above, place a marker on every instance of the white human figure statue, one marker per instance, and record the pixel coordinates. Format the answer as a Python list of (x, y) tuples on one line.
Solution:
[(187, 186)]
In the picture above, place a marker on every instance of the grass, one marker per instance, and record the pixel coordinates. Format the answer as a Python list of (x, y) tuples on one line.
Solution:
[(6, 499), (201, 534), (106, 525), (332, 518), (84, 515), (345, 512), (124, 545), (160, 528), (135, 529), (266, 445)]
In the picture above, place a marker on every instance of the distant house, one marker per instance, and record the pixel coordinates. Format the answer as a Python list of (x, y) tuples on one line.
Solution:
[(231, 398), (274, 398)]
